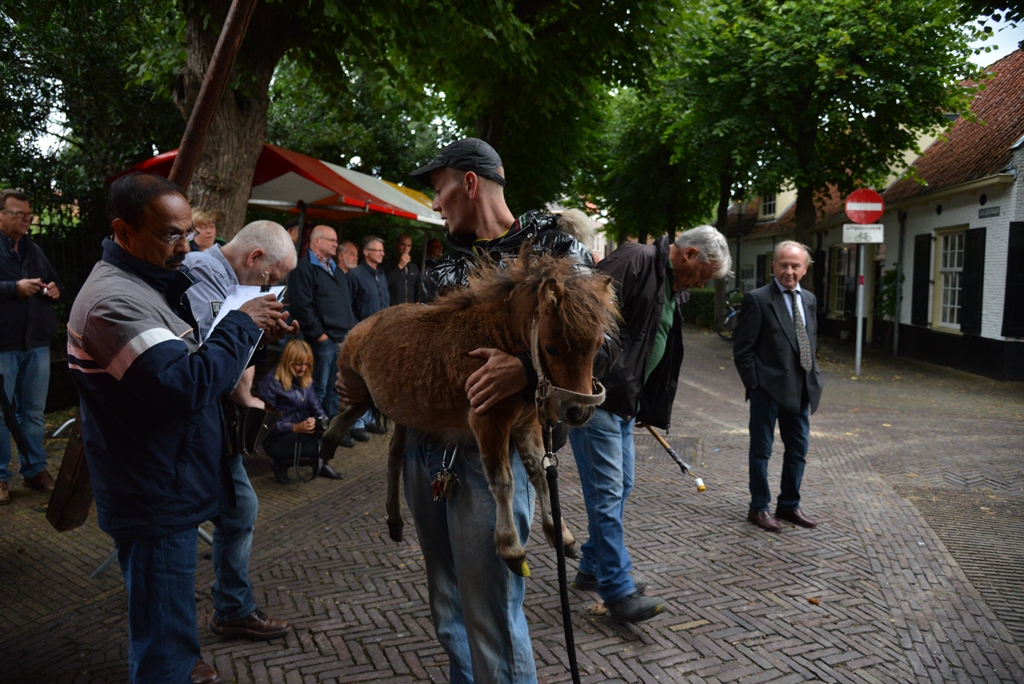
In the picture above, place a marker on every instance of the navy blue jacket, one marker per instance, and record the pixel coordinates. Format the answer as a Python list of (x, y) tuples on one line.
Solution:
[(369, 290), (150, 410), (319, 301)]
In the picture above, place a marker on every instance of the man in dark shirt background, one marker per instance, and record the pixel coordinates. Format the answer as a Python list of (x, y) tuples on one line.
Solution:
[(402, 273), (28, 289)]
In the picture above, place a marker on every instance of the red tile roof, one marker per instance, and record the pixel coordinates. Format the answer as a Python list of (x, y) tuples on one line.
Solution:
[(974, 150)]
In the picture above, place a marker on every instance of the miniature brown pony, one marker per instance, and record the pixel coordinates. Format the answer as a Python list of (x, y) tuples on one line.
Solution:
[(567, 311)]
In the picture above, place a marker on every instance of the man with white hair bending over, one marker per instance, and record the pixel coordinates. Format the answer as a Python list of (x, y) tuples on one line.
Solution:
[(262, 252), (641, 386)]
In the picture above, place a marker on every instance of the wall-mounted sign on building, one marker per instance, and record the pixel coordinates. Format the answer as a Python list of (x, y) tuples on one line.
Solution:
[(988, 212)]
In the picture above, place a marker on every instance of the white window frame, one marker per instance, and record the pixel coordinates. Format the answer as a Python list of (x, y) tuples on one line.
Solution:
[(842, 259), (947, 294), (768, 205)]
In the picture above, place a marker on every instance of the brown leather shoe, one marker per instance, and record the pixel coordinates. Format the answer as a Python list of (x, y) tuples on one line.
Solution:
[(796, 517), (257, 626), (202, 673), (5, 493), (41, 482), (764, 520)]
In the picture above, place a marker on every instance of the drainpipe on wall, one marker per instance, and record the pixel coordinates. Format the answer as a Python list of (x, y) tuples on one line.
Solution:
[(902, 216)]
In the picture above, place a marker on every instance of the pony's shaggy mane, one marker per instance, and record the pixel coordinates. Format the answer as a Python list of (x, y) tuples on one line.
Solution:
[(587, 300)]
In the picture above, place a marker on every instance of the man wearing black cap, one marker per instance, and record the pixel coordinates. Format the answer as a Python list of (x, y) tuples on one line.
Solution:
[(475, 601)]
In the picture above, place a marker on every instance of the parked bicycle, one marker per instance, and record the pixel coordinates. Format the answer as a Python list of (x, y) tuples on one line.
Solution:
[(725, 325)]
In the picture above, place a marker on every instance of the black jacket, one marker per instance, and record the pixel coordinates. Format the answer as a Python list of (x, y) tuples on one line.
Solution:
[(639, 273), (452, 269), (403, 283), (765, 348), (25, 322), (319, 301)]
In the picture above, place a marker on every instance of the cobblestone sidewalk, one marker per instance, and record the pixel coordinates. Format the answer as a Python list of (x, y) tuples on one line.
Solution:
[(915, 573)]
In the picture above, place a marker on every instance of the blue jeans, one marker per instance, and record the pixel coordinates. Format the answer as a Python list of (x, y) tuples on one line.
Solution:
[(605, 459), (26, 380), (795, 429), (325, 370), (159, 574), (232, 542), (476, 602), (363, 421)]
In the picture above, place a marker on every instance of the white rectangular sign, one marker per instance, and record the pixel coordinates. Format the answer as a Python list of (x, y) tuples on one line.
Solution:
[(855, 233)]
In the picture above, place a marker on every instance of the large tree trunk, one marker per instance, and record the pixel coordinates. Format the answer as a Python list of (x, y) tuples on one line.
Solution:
[(806, 217), (223, 177)]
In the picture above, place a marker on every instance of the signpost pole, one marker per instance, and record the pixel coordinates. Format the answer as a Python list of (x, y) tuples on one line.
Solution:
[(860, 304), (863, 206)]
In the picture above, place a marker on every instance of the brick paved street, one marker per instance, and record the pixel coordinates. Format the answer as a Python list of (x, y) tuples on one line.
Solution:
[(916, 571)]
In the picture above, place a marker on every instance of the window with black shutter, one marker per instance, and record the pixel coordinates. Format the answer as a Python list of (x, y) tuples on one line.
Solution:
[(1013, 302), (922, 280), (972, 281)]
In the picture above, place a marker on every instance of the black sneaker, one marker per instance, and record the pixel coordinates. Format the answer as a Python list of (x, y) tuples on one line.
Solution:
[(376, 429), (587, 582), (359, 434), (635, 608)]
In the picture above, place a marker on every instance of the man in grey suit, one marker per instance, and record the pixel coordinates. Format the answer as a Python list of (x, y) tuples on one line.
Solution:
[(774, 348)]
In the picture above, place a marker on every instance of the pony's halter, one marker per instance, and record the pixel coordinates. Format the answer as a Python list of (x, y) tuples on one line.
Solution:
[(547, 391)]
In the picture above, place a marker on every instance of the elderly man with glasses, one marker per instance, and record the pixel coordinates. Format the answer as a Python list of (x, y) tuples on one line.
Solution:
[(370, 294), (320, 300), (29, 287)]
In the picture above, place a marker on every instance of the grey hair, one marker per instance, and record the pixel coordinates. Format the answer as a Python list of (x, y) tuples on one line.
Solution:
[(271, 237), (792, 243), (711, 248), (576, 223)]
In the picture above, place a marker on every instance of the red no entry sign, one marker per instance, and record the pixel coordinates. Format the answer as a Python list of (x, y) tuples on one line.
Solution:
[(864, 206)]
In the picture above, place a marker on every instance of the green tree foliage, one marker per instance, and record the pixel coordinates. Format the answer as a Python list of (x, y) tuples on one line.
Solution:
[(389, 131), (833, 91), (647, 188), (58, 73)]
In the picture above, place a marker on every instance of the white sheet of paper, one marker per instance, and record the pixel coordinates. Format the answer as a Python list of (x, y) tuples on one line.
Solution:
[(236, 297)]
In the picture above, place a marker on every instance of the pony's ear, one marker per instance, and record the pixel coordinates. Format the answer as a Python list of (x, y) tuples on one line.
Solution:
[(550, 295)]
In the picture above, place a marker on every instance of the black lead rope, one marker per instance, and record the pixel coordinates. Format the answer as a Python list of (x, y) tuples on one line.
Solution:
[(551, 469)]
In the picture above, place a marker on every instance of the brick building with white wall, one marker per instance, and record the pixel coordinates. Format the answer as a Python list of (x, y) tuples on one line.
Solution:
[(957, 239)]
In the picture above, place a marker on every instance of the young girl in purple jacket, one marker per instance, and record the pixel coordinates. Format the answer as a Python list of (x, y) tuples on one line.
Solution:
[(289, 389)]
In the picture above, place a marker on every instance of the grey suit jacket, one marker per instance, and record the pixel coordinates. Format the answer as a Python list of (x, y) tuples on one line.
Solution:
[(765, 348)]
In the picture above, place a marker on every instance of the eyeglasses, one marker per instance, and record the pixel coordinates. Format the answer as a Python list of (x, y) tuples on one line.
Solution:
[(173, 240), (18, 214), (328, 240)]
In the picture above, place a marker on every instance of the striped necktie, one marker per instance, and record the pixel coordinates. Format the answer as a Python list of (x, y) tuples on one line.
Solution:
[(803, 342)]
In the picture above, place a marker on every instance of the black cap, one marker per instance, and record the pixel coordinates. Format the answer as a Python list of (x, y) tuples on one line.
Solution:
[(468, 154)]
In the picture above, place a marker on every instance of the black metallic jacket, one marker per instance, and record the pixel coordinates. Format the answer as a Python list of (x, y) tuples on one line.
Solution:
[(452, 269)]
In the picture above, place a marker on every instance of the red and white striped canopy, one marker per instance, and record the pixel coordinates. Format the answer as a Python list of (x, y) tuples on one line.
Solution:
[(284, 178)]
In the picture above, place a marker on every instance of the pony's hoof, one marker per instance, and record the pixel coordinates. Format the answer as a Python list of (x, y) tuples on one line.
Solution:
[(518, 566), (396, 533), (571, 551)]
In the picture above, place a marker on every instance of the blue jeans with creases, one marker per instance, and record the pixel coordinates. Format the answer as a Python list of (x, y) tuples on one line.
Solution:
[(476, 602), (795, 429), (232, 543), (159, 574), (26, 381), (605, 459), (325, 369)]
